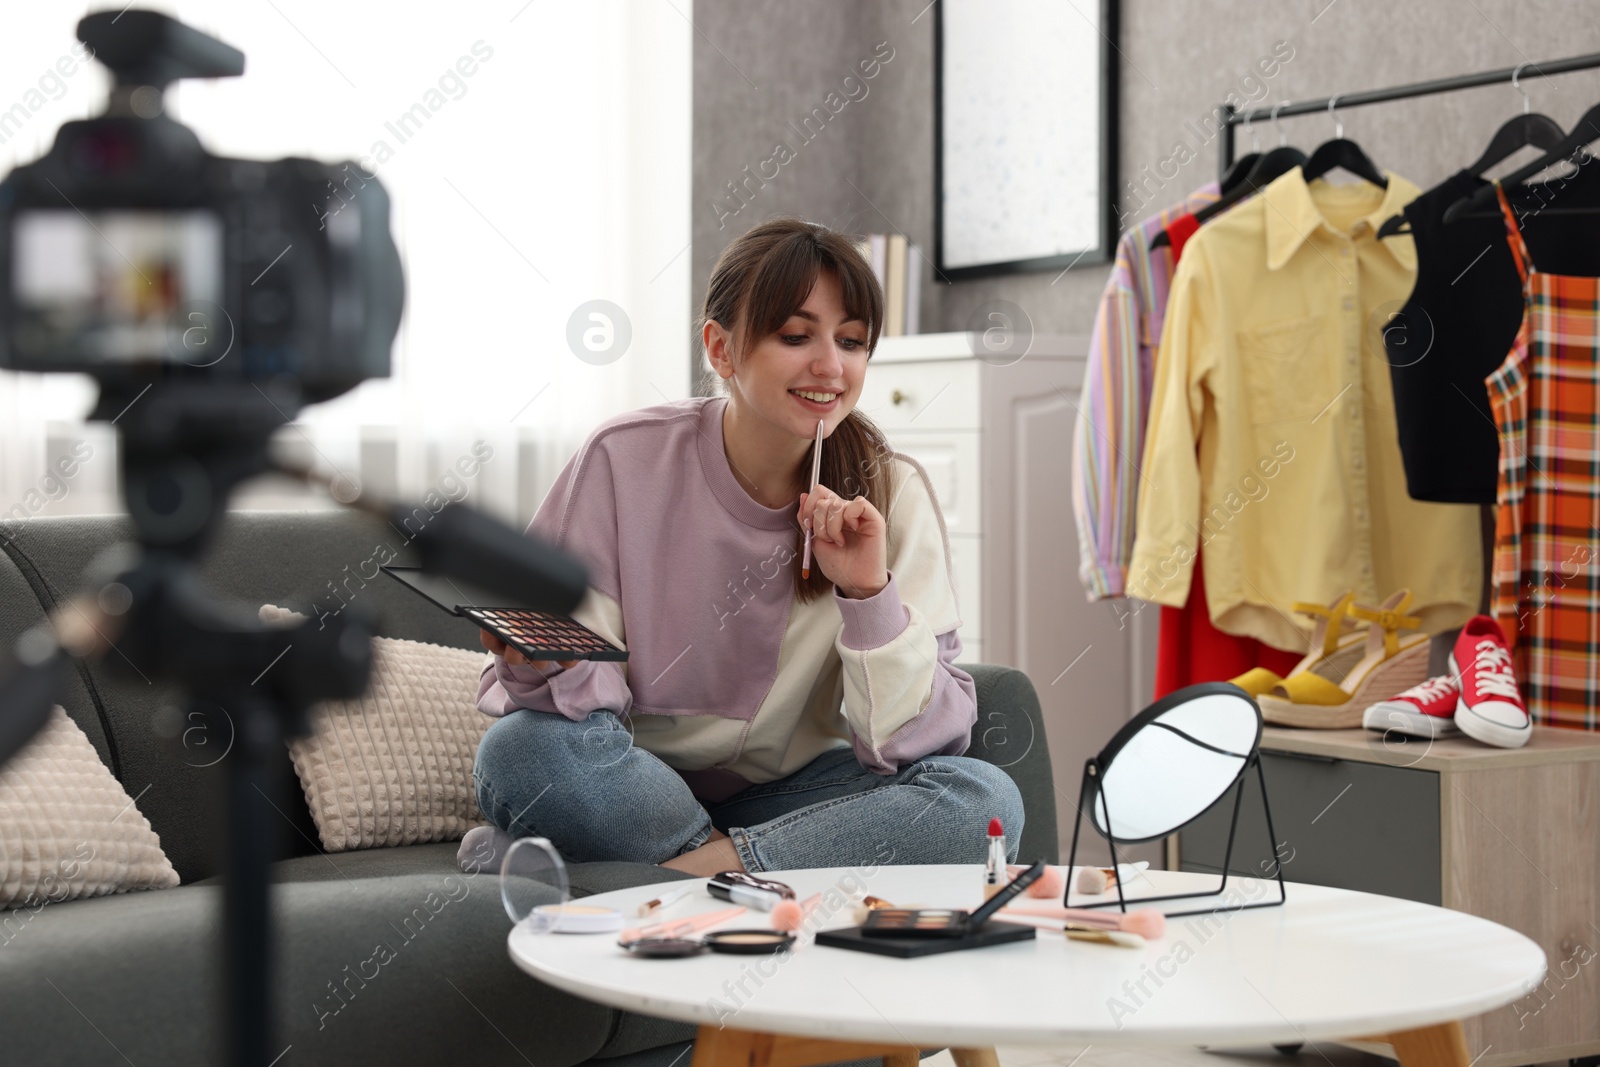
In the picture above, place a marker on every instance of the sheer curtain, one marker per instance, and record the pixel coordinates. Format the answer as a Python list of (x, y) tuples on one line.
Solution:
[(537, 158)]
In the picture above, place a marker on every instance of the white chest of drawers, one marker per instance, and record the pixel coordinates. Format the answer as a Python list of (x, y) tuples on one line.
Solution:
[(996, 441)]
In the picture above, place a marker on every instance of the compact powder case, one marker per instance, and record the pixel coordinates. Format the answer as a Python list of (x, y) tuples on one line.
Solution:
[(749, 942), (730, 942), (665, 948)]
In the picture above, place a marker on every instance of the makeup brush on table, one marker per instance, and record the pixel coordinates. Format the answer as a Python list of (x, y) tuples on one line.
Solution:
[(789, 915), (1093, 881), (691, 924), (665, 900), (1129, 930)]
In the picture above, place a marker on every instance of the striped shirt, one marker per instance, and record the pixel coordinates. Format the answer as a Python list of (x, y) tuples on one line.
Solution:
[(1108, 440)]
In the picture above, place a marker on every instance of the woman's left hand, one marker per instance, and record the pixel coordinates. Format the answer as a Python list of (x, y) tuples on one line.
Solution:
[(849, 541)]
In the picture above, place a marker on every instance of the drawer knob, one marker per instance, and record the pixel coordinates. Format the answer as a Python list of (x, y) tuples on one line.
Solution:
[(897, 398)]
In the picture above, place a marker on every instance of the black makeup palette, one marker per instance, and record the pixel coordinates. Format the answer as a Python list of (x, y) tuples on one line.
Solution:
[(945, 922), (538, 635), (906, 932), (541, 635)]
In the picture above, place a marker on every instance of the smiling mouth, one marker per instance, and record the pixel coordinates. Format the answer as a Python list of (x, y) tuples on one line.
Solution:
[(814, 396)]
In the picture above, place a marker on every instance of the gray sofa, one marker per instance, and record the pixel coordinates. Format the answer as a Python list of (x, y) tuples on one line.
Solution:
[(133, 977)]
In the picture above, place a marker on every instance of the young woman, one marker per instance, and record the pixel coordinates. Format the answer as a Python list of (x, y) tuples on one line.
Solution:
[(722, 744)]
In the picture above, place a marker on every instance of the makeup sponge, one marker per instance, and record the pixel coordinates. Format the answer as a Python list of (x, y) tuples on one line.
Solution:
[(1048, 885)]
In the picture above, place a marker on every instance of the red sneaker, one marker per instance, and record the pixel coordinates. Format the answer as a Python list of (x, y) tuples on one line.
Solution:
[(1491, 709), (1426, 710)]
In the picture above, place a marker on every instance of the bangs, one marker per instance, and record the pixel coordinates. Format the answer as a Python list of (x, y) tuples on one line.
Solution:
[(784, 277)]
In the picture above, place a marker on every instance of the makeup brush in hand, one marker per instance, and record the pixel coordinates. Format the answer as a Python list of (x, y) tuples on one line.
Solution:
[(816, 478)]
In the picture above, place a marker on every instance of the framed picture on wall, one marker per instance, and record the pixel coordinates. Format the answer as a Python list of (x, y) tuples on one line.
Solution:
[(1025, 122)]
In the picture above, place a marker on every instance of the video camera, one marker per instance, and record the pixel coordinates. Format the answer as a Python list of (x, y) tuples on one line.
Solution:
[(132, 254)]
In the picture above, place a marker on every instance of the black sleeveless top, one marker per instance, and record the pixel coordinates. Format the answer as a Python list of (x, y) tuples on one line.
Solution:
[(1462, 317)]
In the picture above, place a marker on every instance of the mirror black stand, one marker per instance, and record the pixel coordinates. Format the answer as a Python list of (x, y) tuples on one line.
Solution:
[(1091, 771)]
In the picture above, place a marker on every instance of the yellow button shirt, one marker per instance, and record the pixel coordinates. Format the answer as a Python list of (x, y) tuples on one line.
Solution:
[(1271, 446)]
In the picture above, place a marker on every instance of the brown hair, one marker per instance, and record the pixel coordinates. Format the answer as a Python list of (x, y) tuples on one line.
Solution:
[(760, 280)]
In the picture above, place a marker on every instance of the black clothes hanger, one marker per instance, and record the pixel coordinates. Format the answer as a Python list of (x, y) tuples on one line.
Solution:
[(1270, 166), (1523, 131), (1526, 130), (1539, 131), (1234, 176), (1393, 226), (1266, 169), (1571, 148), (1343, 153), (1237, 173)]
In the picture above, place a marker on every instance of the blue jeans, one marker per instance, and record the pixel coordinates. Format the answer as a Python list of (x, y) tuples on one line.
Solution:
[(596, 796)]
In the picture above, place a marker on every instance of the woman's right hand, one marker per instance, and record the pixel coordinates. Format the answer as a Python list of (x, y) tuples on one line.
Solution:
[(516, 659)]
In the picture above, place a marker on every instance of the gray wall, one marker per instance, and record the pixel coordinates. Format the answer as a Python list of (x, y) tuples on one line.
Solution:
[(760, 64)]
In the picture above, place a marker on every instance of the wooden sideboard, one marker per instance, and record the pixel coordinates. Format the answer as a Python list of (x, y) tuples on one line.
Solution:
[(1512, 835)]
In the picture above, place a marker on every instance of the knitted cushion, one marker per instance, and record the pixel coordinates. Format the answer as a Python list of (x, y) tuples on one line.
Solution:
[(67, 828), (394, 766)]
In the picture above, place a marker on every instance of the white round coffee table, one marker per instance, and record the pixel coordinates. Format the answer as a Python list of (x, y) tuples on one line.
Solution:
[(1329, 964)]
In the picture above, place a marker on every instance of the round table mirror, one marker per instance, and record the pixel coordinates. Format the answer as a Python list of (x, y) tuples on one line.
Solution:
[(1172, 761)]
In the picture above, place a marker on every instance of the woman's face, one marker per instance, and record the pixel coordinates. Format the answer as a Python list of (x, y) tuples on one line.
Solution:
[(811, 368)]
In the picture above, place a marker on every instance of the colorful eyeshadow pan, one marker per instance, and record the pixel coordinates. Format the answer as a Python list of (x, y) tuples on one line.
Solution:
[(932, 922), (542, 635)]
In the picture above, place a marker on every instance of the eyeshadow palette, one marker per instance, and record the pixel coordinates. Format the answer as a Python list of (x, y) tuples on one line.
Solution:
[(945, 922), (904, 922), (541, 635), (538, 635)]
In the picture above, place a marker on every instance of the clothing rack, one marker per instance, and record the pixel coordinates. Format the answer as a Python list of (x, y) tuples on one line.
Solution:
[(1233, 117)]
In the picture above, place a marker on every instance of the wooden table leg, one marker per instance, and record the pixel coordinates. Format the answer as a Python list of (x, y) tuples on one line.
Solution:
[(973, 1057), (1443, 1045), (727, 1047)]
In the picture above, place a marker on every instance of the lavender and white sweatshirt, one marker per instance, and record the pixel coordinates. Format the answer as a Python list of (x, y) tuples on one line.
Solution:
[(730, 679)]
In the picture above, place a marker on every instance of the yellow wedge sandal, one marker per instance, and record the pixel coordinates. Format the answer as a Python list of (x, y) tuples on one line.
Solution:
[(1334, 692), (1332, 634)]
